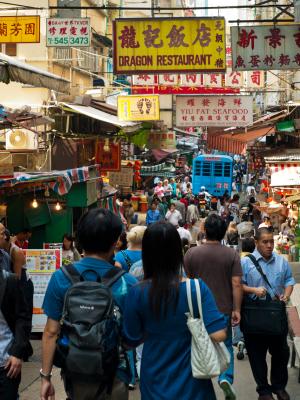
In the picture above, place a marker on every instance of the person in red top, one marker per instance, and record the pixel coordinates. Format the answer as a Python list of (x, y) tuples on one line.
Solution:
[(21, 239)]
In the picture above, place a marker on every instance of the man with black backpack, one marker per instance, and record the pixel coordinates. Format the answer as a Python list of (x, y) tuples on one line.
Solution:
[(83, 304), (15, 327)]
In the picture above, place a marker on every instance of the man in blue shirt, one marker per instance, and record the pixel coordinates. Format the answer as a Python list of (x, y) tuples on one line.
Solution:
[(153, 215), (279, 275), (98, 233)]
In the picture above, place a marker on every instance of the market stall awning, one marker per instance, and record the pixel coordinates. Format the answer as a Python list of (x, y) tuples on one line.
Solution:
[(102, 116), (161, 154), (14, 70), (59, 181), (237, 143)]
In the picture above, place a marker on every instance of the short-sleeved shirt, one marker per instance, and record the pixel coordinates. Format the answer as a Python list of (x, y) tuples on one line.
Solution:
[(133, 256), (173, 217), (277, 270), (59, 284), (166, 363), (216, 264)]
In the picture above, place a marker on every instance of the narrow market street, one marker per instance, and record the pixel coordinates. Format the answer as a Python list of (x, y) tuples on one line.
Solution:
[(244, 383)]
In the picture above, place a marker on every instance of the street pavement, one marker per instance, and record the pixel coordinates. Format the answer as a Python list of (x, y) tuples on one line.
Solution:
[(244, 383)]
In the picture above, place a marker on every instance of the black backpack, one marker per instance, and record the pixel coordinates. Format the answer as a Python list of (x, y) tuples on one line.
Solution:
[(88, 346)]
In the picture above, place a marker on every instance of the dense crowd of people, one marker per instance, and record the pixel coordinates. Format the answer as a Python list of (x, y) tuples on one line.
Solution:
[(119, 313)]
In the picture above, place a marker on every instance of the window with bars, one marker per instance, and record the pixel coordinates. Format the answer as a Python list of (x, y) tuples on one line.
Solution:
[(227, 170), (197, 171), (218, 169), (63, 55), (206, 168)]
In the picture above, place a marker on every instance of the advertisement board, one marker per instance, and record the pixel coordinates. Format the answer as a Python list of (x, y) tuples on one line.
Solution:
[(68, 32), (41, 263), (285, 175), (138, 108), (20, 29), (265, 47), (214, 111), (169, 44)]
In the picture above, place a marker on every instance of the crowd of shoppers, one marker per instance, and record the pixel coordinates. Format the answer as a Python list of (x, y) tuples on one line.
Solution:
[(142, 276)]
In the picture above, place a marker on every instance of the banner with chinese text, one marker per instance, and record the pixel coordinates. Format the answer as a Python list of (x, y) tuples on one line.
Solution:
[(20, 29), (65, 32), (108, 155), (265, 47), (161, 140), (169, 44), (194, 83), (214, 111), (138, 108)]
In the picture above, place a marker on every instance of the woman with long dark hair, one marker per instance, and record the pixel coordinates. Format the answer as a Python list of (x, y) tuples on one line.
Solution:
[(155, 314)]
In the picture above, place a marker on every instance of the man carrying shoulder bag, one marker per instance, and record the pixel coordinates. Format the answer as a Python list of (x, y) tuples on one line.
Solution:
[(268, 284)]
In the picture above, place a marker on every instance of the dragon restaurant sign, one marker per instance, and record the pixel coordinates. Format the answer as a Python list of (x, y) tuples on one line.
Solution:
[(214, 111), (267, 47), (169, 45)]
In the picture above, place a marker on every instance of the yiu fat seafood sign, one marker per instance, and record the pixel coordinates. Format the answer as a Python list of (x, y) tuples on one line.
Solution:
[(169, 45), (214, 111)]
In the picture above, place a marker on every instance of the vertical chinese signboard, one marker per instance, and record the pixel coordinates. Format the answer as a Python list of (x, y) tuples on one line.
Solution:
[(214, 111), (65, 32), (167, 45), (138, 108), (265, 47), (20, 29)]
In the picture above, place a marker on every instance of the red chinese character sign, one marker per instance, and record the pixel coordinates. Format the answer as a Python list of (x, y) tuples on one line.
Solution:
[(68, 32), (108, 155), (169, 45), (214, 111), (267, 47)]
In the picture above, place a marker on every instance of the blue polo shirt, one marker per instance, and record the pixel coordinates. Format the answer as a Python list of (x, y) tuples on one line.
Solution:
[(59, 284), (277, 270)]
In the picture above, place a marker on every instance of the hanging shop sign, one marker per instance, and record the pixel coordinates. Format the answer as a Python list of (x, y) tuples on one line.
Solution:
[(122, 178), (108, 155), (138, 108), (265, 47), (285, 175), (161, 140), (68, 32), (215, 83), (20, 29), (214, 111), (169, 44)]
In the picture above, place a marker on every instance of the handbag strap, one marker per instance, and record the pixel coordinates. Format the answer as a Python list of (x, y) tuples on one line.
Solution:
[(189, 297)]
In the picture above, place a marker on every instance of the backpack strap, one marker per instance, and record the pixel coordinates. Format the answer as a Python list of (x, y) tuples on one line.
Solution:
[(3, 282), (71, 273), (127, 259), (112, 276), (5, 276)]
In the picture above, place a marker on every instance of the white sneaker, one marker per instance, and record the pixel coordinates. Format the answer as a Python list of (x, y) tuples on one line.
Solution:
[(228, 390)]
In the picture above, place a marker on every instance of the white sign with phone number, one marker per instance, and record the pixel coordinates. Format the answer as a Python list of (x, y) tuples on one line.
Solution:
[(68, 32)]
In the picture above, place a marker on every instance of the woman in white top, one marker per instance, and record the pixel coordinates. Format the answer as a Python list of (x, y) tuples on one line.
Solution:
[(173, 216)]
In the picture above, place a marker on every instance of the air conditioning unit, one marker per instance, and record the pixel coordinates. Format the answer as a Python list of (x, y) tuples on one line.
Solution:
[(21, 139)]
